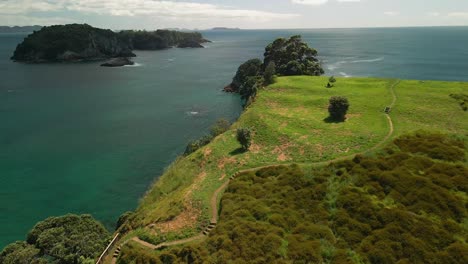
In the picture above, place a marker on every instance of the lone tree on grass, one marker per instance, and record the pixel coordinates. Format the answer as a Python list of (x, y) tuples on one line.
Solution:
[(244, 136), (338, 108), (331, 82)]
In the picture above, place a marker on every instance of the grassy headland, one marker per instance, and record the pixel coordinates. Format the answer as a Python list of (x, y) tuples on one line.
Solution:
[(289, 120)]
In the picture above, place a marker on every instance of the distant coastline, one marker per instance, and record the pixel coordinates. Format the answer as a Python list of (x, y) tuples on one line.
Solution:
[(224, 28), (18, 29)]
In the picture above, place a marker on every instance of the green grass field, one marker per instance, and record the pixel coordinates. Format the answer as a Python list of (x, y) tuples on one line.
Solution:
[(289, 124)]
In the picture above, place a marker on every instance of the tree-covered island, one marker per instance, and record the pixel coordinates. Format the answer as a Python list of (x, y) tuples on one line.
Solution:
[(82, 42)]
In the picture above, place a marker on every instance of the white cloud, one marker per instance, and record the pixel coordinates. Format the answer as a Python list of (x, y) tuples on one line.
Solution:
[(20, 20), (433, 14), (319, 2), (458, 14), (12, 7), (391, 13), (130, 8)]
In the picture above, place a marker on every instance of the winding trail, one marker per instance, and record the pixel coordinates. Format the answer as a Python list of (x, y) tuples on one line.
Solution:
[(216, 195)]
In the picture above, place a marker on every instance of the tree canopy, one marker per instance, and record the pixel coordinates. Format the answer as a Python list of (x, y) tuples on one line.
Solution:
[(283, 57), (68, 239), (250, 68), (293, 57)]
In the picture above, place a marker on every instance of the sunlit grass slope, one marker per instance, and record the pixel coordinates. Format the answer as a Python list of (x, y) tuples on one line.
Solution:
[(289, 124)]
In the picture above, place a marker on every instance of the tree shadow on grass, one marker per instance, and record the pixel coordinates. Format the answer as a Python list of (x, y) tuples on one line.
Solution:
[(237, 152), (331, 120)]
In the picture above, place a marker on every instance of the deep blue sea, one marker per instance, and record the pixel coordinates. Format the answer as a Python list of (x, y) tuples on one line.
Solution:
[(78, 138)]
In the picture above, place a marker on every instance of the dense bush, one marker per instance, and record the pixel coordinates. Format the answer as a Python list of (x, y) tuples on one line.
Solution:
[(269, 74), (338, 107), (69, 239), (402, 206), (221, 126), (293, 57), (283, 57), (244, 137), (246, 70)]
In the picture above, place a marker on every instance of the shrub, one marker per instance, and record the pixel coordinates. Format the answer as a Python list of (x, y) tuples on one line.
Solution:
[(222, 125), (269, 74), (338, 107), (197, 144), (244, 137), (66, 239), (250, 68), (331, 82)]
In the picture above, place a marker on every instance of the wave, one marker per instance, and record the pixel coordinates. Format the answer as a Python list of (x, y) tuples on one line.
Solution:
[(344, 74), (371, 60), (193, 113), (336, 65), (134, 65)]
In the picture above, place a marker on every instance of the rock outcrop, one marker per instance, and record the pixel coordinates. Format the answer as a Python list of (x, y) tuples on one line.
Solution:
[(118, 62), (190, 44)]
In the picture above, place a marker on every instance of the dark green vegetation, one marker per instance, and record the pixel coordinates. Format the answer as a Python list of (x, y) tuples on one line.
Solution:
[(331, 82), (283, 57), (69, 239), (244, 137), (405, 205), (293, 57), (161, 39), (269, 74), (288, 120), (338, 107), (221, 126), (71, 42), (83, 42), (462, 100)]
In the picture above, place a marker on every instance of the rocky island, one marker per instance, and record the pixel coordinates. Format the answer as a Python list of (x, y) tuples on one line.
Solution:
[(82, 42), (69, 43)]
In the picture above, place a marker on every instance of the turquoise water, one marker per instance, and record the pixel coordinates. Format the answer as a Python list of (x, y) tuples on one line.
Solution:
[(84, 139)]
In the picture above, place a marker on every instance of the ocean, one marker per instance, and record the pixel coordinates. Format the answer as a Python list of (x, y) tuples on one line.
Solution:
[(79, 138)]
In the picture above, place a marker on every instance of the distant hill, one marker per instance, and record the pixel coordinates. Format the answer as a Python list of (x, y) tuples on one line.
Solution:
[(224, 28), (17, 29)]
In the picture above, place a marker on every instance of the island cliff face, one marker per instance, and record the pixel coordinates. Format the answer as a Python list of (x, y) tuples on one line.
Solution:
[(76, 42), (71, 43)]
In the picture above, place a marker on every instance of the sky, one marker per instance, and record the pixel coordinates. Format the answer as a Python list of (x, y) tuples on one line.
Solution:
[(246, 14)]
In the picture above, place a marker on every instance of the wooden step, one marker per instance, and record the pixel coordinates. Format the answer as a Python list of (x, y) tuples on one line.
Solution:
[(205, 233)]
